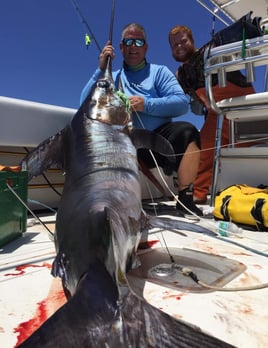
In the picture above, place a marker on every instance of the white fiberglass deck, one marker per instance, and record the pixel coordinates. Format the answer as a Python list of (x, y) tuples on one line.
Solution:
[(29, 294)]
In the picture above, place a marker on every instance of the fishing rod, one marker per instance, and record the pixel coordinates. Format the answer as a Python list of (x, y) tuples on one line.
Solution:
[(108, 70), (112, 22), (86, 25), (109, 59)]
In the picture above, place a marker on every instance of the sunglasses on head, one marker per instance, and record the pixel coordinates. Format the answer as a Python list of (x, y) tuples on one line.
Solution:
[(137, 42)]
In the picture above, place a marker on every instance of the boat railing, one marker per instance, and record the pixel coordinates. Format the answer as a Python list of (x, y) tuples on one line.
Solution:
[(251, 109), (231, 57)]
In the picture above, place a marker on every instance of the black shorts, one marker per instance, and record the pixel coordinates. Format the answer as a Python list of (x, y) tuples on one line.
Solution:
[(180, 134)]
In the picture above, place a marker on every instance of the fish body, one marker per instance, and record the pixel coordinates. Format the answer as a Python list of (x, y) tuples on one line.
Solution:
[(113, 201), (98, 228)]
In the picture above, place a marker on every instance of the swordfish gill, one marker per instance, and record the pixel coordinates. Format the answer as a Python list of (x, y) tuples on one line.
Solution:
[(98, 228)]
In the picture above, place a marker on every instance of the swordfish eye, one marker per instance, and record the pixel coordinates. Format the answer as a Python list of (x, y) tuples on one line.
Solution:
[(103, 84)]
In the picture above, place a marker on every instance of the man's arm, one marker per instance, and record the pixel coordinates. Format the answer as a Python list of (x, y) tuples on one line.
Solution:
[(171, 99)]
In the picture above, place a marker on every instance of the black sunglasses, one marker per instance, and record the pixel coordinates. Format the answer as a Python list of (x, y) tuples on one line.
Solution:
[(137, 42)]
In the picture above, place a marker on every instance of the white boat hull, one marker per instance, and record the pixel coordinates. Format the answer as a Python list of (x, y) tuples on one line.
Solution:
[(24, 125)]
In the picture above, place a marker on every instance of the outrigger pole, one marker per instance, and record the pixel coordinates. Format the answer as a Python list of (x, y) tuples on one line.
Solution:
[(85, 23)]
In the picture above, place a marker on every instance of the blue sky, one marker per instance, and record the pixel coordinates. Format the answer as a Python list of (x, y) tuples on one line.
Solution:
[(43, 55)]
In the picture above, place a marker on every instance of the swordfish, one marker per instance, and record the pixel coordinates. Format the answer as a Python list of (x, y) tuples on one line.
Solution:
[(98, 228)]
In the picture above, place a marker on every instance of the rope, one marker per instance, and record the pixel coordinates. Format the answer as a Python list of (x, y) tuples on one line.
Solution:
[(188, 272), (124, 99), (243, 52)]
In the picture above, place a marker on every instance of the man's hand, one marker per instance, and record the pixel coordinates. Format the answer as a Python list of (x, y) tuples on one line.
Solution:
[(136, 103), (107, 50)]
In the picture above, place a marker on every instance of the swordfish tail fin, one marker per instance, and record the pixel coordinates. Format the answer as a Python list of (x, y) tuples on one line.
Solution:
[(151, 328), (94, 317), (85, 319)]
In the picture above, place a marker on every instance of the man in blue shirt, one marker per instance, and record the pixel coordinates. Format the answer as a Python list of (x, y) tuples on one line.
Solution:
[(155, 98)]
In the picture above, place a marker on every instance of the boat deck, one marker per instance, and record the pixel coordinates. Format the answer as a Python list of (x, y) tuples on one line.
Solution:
[(29, 294)]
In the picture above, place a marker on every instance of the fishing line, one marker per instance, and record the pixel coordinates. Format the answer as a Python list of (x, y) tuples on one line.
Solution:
[(80, 15), (257, 141), (209, 225), (51, 234), (150, 192), (162, 177)]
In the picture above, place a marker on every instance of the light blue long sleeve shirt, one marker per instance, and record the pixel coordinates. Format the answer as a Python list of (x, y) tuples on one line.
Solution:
[(163, 96)]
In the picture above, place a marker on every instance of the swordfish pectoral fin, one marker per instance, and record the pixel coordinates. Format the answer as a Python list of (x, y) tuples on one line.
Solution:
[(145, 139), (150, 221), (46, 154)]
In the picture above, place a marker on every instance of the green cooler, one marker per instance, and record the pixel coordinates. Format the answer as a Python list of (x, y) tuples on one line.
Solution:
[(13, 214)]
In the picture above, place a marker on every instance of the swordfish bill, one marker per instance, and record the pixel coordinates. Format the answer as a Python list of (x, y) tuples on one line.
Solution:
[(98, 228)]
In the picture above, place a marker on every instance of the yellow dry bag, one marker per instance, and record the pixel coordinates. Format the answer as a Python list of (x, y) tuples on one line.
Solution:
[(243, 204)]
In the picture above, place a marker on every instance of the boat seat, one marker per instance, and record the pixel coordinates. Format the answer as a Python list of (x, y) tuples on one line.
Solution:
[(248, 117), (255, 99), (150, 175), (248, 121), (155, 183)]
